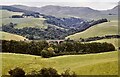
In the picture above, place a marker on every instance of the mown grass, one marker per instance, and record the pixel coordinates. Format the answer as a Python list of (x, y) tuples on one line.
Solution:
[(82, 64), (10, 36), (108, 28)]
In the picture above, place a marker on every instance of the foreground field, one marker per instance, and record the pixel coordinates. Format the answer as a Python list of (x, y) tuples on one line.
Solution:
[(108, 28), (9, 36), (89, 64)]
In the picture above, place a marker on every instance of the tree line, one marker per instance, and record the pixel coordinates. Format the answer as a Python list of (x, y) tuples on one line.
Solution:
[(36, 33), (42, 48), (99, 38)]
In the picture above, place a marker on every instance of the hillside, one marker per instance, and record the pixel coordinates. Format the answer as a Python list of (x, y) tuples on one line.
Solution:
[(55, 27), (112, 11), (108, 28), (14, 9), (26, 22), (9, 36), (21, 22), (7, 14), (66, 11), (44, 27), (81, 64)]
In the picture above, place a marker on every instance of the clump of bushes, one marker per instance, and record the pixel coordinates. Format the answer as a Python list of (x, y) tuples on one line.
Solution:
[(44, 72), (17, 72), (49, 52)]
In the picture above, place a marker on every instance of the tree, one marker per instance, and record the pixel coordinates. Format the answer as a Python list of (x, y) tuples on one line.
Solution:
[(49, 52)]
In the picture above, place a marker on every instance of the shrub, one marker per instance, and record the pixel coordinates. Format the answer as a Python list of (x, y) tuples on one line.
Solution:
[(50, 49), (17, 72), (48, 72), (68, 73), (45, 54), (49, 52), (44, 72)]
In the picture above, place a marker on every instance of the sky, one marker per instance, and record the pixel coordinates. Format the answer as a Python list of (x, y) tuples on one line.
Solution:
[(95, 4)]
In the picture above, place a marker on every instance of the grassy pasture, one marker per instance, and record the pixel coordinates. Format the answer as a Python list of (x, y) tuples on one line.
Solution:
[(108, 28), (22, 22), (7, 14), (26, 22), (82, 64), (89, 64), (9, 36)]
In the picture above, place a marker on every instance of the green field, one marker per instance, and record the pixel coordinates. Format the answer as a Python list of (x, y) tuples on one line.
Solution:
[(108, 28), (7, 14), (26, 22), (82, 64), (21, 22), (9, 36)]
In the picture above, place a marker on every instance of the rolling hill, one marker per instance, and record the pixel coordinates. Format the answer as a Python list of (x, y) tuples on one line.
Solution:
[(108, 28), (53, 27), (7, 14), (70, 23), (26, 22), (21, 22), (112, 11), (14, 9), (66, 11), (81, 64), (9, 36)]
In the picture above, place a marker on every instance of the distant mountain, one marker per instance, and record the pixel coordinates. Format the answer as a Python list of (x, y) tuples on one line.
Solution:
[(65, 11), (61, 11), (113, 11), (14, 9), (68, 11), (26, 7)]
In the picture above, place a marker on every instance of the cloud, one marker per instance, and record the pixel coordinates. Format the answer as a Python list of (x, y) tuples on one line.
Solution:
[(60, 1)]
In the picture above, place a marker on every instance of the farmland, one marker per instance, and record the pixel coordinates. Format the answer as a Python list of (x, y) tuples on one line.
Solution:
[(75, 24), (81, 64)]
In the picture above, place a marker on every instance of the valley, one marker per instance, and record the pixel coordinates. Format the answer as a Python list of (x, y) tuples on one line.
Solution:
[(59, 37)]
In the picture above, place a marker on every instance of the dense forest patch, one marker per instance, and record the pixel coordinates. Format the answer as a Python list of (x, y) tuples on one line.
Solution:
[(42, 48)]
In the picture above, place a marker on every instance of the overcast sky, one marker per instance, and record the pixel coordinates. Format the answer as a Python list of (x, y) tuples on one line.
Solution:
[(95, 4)]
